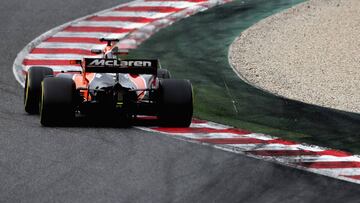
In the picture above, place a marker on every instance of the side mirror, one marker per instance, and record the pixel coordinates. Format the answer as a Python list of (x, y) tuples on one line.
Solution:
[(96, 51)]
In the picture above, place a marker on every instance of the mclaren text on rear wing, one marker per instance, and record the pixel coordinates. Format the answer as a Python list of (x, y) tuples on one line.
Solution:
[(133, 66)]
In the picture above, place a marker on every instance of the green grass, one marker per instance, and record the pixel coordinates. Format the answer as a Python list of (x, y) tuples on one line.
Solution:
[(196, 49)]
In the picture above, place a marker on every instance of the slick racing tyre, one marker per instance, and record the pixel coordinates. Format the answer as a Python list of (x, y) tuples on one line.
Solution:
[(33, 88), (176, 102), (163, 74), (57, 103)]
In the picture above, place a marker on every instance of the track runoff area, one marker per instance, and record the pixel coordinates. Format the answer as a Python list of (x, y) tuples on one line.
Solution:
[(135, 22)]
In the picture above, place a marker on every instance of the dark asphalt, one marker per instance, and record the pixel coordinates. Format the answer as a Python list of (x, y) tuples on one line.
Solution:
[(123, 165)]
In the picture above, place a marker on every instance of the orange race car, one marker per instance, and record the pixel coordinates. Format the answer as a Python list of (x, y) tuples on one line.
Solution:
[(109, 87)]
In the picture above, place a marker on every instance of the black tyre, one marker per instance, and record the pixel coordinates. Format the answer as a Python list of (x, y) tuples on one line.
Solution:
[(176, 102), (58, 100), (32, 88), (163, 74)]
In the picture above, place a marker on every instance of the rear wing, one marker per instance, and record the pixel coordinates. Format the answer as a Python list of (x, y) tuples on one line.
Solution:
[(133, 66)]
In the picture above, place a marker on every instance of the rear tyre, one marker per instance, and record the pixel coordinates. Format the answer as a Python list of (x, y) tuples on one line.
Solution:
[(176, 103), (32, 88), (58, 100), (163, 74)]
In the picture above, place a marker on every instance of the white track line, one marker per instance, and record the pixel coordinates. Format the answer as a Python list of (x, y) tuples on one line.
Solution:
[(324, 158), (207, 125), (116, 24), (57, 45), (336, 172), (56, 56), (179, 4), (90, 34), (59, 68), (262, 147), (135, 14)]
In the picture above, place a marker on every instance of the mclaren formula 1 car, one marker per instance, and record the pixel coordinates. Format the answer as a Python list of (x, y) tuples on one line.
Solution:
[(108, 87)]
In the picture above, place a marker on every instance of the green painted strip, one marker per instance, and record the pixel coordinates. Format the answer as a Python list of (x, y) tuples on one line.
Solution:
[(196, 48)]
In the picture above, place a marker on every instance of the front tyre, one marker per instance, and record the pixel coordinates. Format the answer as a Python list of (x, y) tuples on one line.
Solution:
[(58, 100), (176, 102), (32, 90)]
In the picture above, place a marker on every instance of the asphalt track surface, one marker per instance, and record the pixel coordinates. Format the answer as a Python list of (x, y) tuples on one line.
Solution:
[(102, 164)]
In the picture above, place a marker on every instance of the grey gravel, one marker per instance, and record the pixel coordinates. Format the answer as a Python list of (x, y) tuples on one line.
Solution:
[(310, 53)]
